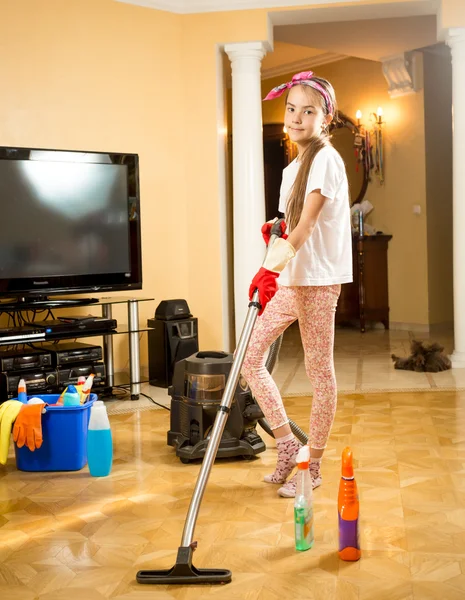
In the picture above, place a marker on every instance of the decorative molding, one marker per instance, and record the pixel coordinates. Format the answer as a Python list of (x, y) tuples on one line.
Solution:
[(414, 327), (302, 64), (455, 37), (296, 66), (200, 6), (403, 73), (246, 50), (173, 6)]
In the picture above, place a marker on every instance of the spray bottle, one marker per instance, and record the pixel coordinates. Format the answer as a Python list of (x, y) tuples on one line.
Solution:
[(303, 503), (348, 509), (86, 387), (22, 392)]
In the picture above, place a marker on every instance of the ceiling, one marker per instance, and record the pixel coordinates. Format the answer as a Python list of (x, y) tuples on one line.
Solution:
[(356, 11), (409, 7), (290, 57), (372, 39), (315, 36)]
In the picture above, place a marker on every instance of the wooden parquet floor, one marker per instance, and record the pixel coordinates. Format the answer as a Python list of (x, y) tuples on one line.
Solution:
[(68, 536)]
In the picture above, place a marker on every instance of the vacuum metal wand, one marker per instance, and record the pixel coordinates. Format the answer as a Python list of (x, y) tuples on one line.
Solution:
[(183, 571), (220, 421)]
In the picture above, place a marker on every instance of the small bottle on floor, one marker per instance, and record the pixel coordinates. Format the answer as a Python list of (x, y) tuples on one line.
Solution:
[(303, 503), (348, 509)]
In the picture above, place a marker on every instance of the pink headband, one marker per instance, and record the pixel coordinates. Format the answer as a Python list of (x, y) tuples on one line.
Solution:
[(304, 78)]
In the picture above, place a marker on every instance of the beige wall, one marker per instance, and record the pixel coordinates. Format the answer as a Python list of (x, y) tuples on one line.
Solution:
[(101, 75), (360, 84), (203, 132), (438, 132), (452, 13), (84, 74)]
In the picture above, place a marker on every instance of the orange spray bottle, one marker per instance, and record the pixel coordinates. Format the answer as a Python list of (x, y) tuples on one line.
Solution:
[(348, 509)]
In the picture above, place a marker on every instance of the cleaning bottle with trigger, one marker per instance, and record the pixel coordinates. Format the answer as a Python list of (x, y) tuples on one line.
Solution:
[(99, 441), (86, 387), (303, 502), (22, 392), (348, 509)]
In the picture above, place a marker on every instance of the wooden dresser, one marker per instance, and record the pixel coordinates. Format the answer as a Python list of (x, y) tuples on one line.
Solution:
[(367, 298)]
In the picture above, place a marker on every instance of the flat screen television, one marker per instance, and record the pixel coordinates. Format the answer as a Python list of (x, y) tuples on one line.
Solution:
[(69, 222)]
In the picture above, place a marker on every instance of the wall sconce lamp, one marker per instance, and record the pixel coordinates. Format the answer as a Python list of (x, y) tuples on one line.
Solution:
[(371, 141), (376, 117)]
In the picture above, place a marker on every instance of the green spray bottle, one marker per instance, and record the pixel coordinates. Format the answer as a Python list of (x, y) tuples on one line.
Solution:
[(303, 502)]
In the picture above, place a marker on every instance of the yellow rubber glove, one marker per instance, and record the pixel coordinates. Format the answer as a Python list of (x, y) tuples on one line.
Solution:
[(9, 410), (28, 426), (277, 257)]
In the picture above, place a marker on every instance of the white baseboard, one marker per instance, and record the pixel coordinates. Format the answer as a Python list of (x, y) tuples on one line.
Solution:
[(415, 327)]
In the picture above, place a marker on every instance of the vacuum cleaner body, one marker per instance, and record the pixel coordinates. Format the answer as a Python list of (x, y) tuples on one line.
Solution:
[(198, 386)]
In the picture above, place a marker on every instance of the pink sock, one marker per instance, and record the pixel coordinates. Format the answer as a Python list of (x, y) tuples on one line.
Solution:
[(288, 448), (289, 488)]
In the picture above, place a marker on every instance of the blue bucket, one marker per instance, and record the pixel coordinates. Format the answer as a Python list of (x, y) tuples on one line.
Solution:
[(64, 433)]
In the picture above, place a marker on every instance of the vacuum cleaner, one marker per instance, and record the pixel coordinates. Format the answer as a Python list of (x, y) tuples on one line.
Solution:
[(198, 386), (201, 389)]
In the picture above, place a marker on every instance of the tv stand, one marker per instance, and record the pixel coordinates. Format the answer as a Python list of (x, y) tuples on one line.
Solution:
[(43, 302), (132, 330)]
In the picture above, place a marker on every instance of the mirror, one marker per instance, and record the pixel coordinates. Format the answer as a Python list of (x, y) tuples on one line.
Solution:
[(343, 136)]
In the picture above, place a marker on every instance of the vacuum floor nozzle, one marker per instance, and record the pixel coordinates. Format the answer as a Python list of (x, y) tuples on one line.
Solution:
[(184, 572)]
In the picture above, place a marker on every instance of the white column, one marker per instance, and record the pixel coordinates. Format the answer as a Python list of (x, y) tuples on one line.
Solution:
[(248, 172), (456, 41)]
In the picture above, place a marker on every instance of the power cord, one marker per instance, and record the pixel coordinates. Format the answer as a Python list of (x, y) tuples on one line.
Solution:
[(125, 387), (111, 393)]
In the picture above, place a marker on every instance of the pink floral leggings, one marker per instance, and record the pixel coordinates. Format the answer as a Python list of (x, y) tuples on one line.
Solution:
[(314, 307)]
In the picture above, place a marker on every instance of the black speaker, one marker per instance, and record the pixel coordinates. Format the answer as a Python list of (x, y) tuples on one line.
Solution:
[(169, 342)]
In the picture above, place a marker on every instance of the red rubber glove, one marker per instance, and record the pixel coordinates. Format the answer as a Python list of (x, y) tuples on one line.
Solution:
[(266, 283), (266, 229)]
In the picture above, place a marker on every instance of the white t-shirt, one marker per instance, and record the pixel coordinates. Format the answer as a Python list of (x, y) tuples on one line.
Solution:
[(326, 257)]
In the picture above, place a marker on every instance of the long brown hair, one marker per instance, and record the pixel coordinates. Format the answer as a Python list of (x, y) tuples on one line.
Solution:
[(296, 197)]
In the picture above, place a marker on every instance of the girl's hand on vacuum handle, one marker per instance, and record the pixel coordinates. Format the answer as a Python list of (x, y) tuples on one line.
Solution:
[(277, 227), (278, 254)]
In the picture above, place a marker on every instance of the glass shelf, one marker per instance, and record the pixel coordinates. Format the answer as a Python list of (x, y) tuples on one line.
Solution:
[(119, 300), (120, 330), (124, 329), (11, 306), (120, 379)]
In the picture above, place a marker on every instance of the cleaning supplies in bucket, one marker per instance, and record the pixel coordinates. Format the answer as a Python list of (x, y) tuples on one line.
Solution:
[(83, 387), (303, 502), (99, 441), (64, 433)]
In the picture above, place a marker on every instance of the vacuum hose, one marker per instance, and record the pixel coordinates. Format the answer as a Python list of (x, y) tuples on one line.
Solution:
[(270, 364)]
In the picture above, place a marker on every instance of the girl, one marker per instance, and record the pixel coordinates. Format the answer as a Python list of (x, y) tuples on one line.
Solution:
[(311, 263)]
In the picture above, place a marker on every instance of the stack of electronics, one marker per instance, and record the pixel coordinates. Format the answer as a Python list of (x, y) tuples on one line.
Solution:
[(50, 367)]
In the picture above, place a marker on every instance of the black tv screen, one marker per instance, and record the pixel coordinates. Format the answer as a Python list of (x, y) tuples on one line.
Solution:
[(70, 222)]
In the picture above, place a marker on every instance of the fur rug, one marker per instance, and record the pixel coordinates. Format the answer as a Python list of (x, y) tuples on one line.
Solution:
[(424, 357)]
